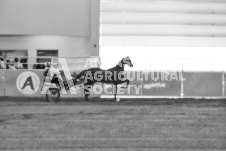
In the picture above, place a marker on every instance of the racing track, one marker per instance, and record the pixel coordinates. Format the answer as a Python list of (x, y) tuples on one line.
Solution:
[(103, 125)]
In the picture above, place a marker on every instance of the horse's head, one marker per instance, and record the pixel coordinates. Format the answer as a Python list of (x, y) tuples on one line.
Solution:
[(127, 61)]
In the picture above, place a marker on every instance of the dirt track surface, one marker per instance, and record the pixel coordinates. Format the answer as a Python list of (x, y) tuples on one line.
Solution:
[(104, 125)]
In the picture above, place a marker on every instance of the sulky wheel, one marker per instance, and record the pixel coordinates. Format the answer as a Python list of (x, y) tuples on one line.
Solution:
[(53, 95)]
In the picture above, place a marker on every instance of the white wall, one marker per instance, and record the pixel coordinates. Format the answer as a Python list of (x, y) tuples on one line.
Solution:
[(48, 17), (70, 26), (173, 23), (68, 46), (164, 35)]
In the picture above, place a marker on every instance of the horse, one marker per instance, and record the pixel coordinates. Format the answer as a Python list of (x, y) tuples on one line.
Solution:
[(114, 75)]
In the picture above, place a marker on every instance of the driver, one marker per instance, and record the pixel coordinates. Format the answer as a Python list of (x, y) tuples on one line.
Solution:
[(53, 73)]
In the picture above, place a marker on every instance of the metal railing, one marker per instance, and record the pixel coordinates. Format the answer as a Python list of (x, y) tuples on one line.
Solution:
[(73, 63), (80, 63)]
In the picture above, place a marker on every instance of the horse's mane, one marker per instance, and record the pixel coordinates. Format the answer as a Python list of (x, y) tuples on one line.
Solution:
[(119, 66)]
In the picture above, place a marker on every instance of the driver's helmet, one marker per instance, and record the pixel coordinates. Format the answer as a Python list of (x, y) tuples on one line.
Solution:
[(48, 64)]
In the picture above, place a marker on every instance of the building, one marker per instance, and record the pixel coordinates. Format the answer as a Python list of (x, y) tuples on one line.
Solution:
[(33, 28)]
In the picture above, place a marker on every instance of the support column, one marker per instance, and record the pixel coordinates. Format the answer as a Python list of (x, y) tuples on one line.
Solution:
[(94, 27)]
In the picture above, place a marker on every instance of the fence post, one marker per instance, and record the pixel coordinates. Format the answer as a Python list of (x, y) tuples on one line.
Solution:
[(141, 75), (4, 84), (182, 81), (223, 83)]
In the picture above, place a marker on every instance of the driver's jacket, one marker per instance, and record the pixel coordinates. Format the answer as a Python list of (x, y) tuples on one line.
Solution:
[(52, 74)]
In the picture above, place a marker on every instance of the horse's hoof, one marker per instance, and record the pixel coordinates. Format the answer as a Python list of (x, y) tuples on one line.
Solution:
[(124, 87), (94, 99)]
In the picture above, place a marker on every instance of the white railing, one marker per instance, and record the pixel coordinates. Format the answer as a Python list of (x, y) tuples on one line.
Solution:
[(80, 63), (73, 63)]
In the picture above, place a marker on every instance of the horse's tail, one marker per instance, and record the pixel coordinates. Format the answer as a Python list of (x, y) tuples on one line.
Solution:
[(80, 77)]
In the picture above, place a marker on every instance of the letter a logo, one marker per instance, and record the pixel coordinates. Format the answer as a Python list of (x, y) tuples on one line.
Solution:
[(28, 83)]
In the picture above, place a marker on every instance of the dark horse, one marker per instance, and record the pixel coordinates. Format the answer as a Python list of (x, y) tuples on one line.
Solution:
[(113, 76)]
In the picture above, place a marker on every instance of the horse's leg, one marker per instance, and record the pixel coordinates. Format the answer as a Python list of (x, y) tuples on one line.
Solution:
[(87, 90), (127, 83), (115, 85), (124, 81), (87, 87)]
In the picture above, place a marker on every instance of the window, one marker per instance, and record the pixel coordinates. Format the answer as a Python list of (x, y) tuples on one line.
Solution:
[(163, 35), (10, 55), (46, 55)]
